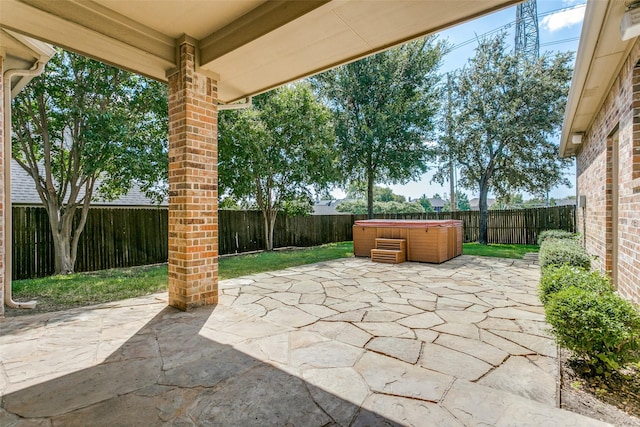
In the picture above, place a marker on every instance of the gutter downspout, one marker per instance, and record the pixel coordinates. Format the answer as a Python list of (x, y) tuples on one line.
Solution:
[(37, 69)]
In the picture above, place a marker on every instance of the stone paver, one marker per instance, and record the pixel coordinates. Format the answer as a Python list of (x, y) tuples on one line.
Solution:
[(515, 376), (341, 343), (405, 349)]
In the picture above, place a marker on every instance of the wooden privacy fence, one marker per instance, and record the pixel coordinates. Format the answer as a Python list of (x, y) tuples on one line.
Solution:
[(119, 237), (516, 226), (111, 238)]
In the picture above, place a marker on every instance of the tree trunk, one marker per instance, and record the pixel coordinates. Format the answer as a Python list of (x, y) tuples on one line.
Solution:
[(84, 212), (484, 214), (64, 263), (272, 226), (269, 224), (65, 237), (370, 194)]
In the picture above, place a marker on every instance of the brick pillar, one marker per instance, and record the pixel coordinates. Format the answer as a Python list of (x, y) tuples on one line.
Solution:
[(193, 184), (2, 228)]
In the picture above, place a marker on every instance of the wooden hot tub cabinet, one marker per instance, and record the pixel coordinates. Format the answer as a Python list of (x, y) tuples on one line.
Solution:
[(432, 241)]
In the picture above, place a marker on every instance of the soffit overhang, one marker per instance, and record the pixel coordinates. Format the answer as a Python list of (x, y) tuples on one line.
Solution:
[(250, 46), (22, 53), (601, 55)]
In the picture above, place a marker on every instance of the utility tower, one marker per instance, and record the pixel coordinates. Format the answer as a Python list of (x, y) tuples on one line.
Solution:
[(527, 39)]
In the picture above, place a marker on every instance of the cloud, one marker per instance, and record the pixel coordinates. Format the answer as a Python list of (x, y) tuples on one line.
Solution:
[(564, 19)]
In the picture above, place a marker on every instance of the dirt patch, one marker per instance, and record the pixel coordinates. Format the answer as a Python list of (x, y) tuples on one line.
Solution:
[(614, 399)]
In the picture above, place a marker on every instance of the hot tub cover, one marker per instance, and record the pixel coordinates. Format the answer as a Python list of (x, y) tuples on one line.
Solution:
[(409, 223)]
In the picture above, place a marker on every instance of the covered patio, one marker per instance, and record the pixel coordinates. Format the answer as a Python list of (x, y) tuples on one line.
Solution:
[(210, 53), (346, 342)]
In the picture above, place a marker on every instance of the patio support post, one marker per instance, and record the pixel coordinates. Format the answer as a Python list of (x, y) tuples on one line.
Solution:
[(193, 183)]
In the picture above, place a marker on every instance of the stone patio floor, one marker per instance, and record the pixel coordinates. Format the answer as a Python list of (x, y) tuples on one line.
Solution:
[(346, 342)]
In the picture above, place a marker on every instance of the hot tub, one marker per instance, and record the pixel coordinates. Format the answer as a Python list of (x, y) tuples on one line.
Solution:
[(432, 241)]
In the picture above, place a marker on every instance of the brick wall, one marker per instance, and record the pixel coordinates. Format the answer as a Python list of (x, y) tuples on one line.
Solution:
[(193, 185), (2, 188), (617, 120)]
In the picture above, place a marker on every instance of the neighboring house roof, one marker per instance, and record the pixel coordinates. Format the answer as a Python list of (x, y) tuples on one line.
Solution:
[(475, 203), (23, 192), (437, 203), (328, 207), (248, 46), (601, 54), (566, 202)]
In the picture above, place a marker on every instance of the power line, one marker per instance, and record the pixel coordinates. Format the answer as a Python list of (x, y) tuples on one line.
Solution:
[(572, 39), (509, 25)]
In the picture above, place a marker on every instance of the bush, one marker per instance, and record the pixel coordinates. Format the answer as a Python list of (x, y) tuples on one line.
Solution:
[(558, 277), (554, 234), (602, 328), (563, 252)]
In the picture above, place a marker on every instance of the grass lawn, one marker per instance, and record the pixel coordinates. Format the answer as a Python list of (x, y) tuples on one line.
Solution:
[(80, 289), (242, 265), (74, 290), (63, 292), (498, 250)]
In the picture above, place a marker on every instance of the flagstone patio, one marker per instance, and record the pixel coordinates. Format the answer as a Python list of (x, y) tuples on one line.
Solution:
[(341, 343)]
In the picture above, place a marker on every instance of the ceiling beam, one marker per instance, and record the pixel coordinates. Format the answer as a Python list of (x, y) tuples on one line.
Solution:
[(104, 21), (260, 21), (150, 56)]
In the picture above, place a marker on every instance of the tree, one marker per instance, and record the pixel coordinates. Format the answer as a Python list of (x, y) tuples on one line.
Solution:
[(385, 194), (426, 203), (508, 110), (358, 190), (462, 202), (359, 207), (276, 151), (384, 107), (83, 130), (508, 201)]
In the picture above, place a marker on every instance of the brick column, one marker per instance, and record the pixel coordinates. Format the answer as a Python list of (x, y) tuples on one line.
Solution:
[(193, 184), (2, 95)]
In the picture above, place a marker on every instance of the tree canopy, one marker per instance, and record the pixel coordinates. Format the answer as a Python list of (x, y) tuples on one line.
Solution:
[(83, 130), (274, 153), (507, 112), (462, 202), (426, 203), (359, 207), (384, 201), (384, 107)]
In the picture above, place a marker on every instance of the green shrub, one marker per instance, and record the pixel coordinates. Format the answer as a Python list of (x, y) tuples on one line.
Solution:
[(555, 234), (602, 328), (558, 277), (563, 251)]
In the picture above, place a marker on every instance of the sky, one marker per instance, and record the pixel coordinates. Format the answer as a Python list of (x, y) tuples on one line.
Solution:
[(559, 26)]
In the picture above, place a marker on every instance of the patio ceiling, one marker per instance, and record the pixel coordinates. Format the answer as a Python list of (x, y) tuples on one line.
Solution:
[(249, 46)]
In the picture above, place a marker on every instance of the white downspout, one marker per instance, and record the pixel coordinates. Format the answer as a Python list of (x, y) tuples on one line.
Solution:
[(8, 225)]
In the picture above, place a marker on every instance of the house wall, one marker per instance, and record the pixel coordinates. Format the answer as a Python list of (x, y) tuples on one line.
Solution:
[(2, 187), (618, 118)]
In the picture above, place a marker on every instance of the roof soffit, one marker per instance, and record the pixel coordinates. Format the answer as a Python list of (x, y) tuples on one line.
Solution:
[(253, 45), (601, 54)]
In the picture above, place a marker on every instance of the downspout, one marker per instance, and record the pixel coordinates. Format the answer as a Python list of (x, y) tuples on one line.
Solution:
[(37, 69)]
